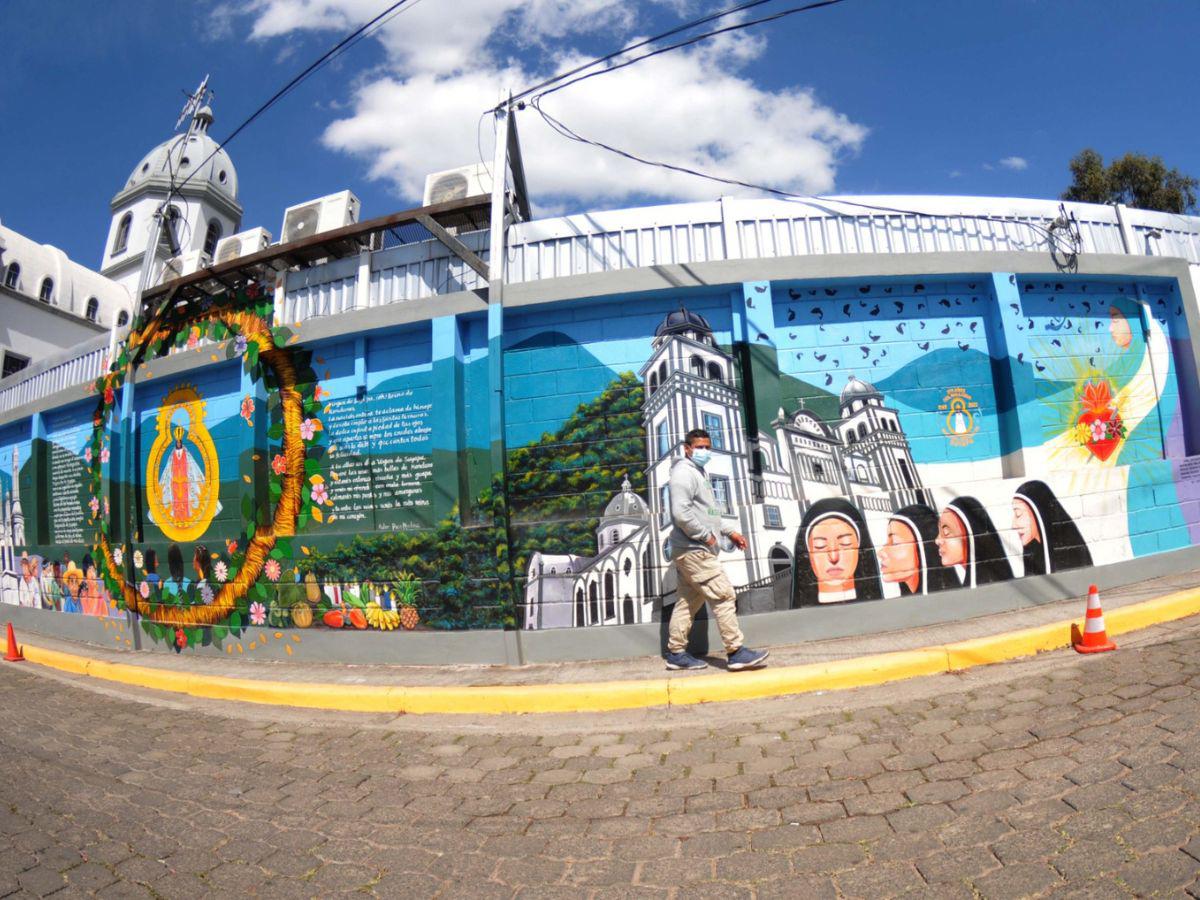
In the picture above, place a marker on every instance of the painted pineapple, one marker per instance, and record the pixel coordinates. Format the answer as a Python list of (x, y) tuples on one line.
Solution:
[(406, 589)]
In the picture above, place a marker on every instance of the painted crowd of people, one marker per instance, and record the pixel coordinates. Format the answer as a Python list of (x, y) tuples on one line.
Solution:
[(60, 585), (926, 551)]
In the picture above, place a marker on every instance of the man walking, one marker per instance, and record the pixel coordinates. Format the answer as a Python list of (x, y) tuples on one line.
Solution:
[(694, 548)]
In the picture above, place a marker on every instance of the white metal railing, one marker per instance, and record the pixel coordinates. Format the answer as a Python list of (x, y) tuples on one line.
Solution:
[(685, 233)]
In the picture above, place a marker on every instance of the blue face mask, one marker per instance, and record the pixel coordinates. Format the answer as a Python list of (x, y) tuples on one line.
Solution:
[(701, 456)]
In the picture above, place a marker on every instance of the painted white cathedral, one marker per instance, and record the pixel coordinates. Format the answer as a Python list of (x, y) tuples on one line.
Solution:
[(765, 482), (12, 535)]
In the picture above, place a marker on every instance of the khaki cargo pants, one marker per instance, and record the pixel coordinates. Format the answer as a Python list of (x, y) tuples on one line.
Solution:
[(702, 580)]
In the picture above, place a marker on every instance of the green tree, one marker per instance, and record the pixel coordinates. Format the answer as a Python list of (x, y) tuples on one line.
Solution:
[(1137, 180)]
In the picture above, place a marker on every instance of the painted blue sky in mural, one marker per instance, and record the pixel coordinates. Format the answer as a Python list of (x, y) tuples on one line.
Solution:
[(936, 97)]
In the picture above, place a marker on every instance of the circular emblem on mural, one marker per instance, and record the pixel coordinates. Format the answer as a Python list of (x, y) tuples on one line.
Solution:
[(182, 473)]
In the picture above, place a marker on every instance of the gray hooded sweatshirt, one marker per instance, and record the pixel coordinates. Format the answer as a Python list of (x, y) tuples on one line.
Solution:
[(694, 510)]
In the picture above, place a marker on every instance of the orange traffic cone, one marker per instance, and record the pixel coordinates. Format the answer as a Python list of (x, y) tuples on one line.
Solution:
[(1095, 636), (14, 652)]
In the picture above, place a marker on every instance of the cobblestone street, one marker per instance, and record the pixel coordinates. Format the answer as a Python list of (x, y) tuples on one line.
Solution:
[(1060, 775)]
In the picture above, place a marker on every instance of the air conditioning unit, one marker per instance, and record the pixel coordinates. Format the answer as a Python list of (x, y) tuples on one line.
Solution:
[(315, 216), (242, 244), (184, 264), (457, 184)]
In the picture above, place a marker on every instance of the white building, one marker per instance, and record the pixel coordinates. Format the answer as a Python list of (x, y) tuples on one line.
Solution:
[(765, 486), (48, 302)]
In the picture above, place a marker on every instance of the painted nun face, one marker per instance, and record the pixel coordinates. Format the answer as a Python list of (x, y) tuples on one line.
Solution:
[(1025, 522), (833, 552), (1118, 327), (952, 539), (900, 558)]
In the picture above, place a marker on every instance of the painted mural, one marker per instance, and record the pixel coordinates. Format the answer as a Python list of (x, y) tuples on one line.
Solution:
[(881, 441)]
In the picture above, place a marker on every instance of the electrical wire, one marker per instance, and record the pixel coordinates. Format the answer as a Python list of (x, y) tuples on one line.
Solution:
[(670, 32), (695, 39), (1069, 244), (345, 44)]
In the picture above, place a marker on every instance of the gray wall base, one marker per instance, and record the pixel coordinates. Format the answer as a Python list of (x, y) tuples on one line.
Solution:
[(512, 648)]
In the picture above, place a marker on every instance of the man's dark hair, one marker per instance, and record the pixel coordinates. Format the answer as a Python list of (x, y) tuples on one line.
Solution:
[(175, 562), (151, 561), (696, 434)]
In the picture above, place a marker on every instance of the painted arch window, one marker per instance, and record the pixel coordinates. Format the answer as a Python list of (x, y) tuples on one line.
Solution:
[(211, 236), (92, 310), (580, 609), (594, 602), (121, 238), (628, 567), (697, 367), (664, 439), (653, 383), (122, 318), (715, 373), (627, 610), (664, 505), (12, 275), (46, 292), (712, 424), (906, 473), (780, 559), (610, 595)]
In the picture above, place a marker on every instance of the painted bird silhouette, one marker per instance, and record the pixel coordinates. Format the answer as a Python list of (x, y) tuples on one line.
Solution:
[(918, 288), (887, 290), (922, 324), (1057, 343), (974, 325), (875, 310), (846, 339), (794, 294), (1037, 365), (1087, 305), (1016, 307), (828, 380), (866, 351), (762, 336), (760, 288), (830, 292), (800, 355), (874, 362), (865, 289), (846, 310), (946, 330), (818, 312), (791, 314), (820, 356), (899, 305), (971, 286), (791, 335), (924, 346), (1021, 358), (944, 302), (900, 328), (874, 337), (962, 346)]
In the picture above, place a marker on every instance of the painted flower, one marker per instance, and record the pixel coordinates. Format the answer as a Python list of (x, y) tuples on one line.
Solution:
[(319, 393), (118, 555), (1098, 430), (231, 546), (193, 338), (239, 344), (180, 638), (94, 505), (87, 453), (108, 395), (137, 558), (104, 454), (272, 569), (247, 412), (308, 429), (253, 290), (279, 464), (206, 593), (319, 494), (107, 509), (144, 590), (258, 613), (221, 571)]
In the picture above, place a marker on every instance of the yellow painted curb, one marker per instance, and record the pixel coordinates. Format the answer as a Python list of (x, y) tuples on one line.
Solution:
[(613, 695)]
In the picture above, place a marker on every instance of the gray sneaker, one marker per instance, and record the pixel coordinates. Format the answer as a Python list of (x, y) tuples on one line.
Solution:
[(745, 658), (684, 660)]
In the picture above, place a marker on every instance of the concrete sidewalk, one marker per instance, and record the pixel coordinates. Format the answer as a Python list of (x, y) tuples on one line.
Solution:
[(610, 684)]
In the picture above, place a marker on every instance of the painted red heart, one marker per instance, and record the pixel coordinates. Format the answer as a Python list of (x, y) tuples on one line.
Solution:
[(1105, 447)]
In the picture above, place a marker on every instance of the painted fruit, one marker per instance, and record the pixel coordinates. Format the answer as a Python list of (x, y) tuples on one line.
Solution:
[(334, 618), (312, 590), (358, 618), (409, 617), (302, 616)]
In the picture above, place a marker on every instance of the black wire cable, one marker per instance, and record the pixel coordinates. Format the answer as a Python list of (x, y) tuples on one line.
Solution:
[(324, 59), (741, 7), (1049, 233), (695, 39)]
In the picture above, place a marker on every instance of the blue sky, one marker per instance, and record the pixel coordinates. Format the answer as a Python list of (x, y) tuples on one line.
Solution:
[(925, 96)]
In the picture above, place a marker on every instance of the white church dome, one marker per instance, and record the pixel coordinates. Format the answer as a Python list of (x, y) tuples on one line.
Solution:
[(626, 505), (857, 389), (184, 155)]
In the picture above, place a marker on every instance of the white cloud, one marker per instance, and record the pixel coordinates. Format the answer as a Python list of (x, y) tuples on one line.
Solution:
[(694, 108), (1015, 163)]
